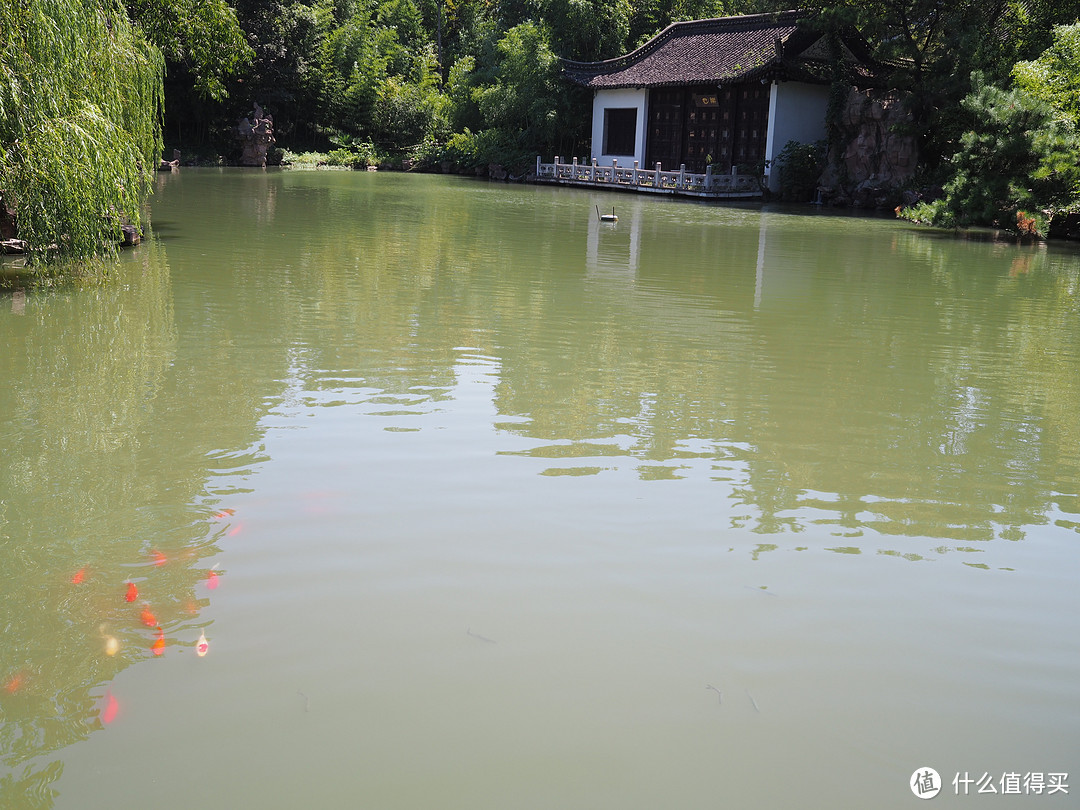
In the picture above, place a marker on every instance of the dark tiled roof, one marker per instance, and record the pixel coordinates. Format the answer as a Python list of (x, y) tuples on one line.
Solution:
[(726, 49)]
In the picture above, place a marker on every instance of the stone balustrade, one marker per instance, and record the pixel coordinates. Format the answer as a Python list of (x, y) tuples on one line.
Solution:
[(654, 180)]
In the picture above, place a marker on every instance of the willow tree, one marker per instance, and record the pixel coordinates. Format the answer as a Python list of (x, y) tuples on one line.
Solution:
[(80, 121)]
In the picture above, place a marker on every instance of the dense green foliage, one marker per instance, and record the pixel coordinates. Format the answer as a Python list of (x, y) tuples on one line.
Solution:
[(1021, 150), (799, 166), (80, 111), (463, 82), (468, 83), (201, 39), (473, 82), (1054, 78)]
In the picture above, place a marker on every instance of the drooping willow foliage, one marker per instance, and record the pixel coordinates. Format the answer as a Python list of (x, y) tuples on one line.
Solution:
[(81, 100)]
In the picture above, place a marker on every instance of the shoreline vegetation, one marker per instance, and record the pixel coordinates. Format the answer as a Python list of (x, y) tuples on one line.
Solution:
[(990, 94)]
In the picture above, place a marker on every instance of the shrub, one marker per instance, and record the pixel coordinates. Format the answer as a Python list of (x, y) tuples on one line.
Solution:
[(468, 150), (799, 166), (1018, 155)]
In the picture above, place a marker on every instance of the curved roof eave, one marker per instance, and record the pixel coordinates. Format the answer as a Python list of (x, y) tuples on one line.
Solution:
[(770, 19), (695, 52)]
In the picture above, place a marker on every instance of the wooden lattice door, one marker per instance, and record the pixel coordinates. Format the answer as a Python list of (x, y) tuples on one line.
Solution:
[(750, 123), (702, 127), (665, 130)]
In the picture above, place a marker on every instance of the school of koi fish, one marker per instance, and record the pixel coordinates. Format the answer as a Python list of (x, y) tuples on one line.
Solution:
[(111, 645)]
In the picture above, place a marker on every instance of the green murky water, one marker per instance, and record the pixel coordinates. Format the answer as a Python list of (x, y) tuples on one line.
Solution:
[(482, 503)]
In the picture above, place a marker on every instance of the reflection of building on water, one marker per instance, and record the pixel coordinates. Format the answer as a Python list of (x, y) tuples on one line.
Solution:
[(781, 269), (759, 276), (614, 247)]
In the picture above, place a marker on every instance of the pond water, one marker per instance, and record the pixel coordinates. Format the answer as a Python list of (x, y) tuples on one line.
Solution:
[(479, 502)]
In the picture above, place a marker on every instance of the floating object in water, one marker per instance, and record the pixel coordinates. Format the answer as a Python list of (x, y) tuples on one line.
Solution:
[(159, 558), (148, 618), (719, 695), (79, 576), (132, 592), (469, 631), (158, 647), (760, 589), (607, 217), (112, 645), (110, 709), (202, 647), (753, 702), (212, 579)]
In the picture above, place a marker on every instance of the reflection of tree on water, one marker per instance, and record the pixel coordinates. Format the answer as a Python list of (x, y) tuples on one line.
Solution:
[(802, 402), (93, 495), (847, 400), (733, 345)]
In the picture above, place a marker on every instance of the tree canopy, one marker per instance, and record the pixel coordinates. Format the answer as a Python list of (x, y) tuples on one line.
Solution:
[(471, 82), (1019, 152), (80, 110)]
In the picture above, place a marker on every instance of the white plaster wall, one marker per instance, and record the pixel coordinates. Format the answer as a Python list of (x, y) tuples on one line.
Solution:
[(624, 98), (796, 113)]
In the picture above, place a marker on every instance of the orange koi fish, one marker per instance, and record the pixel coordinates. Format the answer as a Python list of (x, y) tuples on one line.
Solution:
[(132, 592), (235, 530), (79, 576), (148, 618), (224, 513), (159, 558), (13, 684), (212, 579), (201, 646), (158, 647), (110, 709)]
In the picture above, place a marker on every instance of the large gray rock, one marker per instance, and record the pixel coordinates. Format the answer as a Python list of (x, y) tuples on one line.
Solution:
[(256, 135), (878, 156)]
